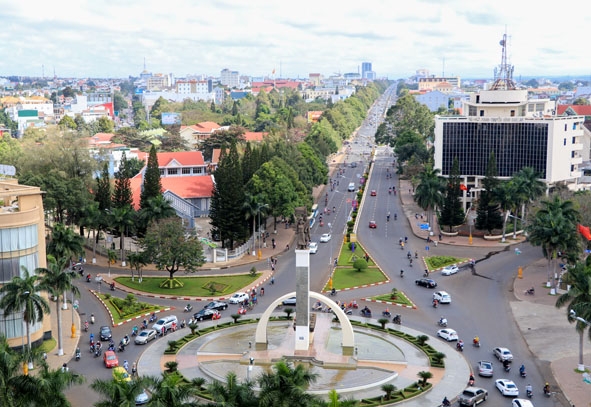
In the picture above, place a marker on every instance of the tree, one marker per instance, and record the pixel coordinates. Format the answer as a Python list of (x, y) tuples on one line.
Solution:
[(232, 393), (92, 219), (105, 125), (156, 208), (57, 278), (334, 400), (50, 386), (103, 194), (152, 187), (170, 249), (504, 196), (488, 216), (228, 197), (578, 299), (68, 122), (122, 194), (388, 388), (285, 386), (429, 193), (360, 265), (64, 244), (452, 213), (118, 393), (531, 186), (21, 295), (137, 261), (170, 390), (424, 375), (122, 218), (554, 228)]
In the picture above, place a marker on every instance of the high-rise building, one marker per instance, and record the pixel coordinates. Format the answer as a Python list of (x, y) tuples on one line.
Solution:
[(365, 67), (231, 79), (519, 131), (22, 245)]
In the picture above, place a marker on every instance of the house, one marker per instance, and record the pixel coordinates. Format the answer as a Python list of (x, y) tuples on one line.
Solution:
[(199, 132), (186, 184)]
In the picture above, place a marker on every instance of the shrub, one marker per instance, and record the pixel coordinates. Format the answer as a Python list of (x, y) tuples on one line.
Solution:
[(236, 317), (288, 312), (422, 339), (171, 366), (383, 322), (253, 271), (360, 265), (388, 388)]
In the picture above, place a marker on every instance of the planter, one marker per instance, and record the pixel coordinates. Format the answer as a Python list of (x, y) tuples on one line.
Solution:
[(449, 233)]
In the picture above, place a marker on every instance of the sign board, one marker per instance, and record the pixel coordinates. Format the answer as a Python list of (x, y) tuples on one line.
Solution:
[(7, 170), (424, 226)]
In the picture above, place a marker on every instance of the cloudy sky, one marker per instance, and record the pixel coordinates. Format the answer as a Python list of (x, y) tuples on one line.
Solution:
[(111, 38)]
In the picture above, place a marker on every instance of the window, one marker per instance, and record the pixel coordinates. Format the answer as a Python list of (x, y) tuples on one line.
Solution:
[(482, 113), (564, 142), (512, 113), (161, 171), (197, 170), (173, 171), (186, 171), (574, 140)]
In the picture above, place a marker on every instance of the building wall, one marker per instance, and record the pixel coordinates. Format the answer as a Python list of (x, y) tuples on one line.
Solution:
[(22, 243)]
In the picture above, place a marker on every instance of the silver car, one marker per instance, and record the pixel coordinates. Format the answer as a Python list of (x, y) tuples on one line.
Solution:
[(145, 336)]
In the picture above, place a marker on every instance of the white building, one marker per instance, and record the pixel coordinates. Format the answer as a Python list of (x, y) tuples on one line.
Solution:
[(229, 78)]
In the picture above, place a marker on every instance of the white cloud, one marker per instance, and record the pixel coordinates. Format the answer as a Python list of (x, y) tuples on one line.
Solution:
[(107, 38)]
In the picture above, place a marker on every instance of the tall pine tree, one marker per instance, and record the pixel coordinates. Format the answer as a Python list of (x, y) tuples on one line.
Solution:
[(227, 217), (452, 213), (122, 195), (488, 214), (152, 186), (103, 189)]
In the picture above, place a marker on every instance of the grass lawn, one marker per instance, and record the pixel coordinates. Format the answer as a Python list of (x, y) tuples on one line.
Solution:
[(435, 262), (349, 277), (117, 317), (347, 257), (192, 286), (400, 299)]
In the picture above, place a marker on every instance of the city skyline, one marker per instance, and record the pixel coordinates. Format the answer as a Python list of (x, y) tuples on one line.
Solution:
[(259, 38)]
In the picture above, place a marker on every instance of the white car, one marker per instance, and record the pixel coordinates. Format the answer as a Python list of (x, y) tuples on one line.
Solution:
[(238, 298), (449, 270), (313, 247), (442, 296), (507, 387), (448, 334), (521, 403), (325, 238), (503, 354)]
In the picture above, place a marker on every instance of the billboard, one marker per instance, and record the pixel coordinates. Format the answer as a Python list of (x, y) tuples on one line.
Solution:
[(170, 118)]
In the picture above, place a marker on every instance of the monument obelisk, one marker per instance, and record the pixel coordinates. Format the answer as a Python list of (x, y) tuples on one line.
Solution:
[(302, 252)]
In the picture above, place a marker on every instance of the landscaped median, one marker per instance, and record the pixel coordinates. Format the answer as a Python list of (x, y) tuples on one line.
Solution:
[(355, 269), (392, 394), (395, 297)]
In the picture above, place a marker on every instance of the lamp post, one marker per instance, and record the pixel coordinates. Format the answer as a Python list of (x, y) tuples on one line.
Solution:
[(573, 314)]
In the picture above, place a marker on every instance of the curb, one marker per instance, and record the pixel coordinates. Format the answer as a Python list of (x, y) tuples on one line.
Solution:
[(93, 292), (413, 306)]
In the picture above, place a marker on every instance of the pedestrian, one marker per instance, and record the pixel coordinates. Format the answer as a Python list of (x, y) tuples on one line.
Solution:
[(366, 257), (272, 266), (163, 331), (287, 247), (65, 367), (134, 370), (272, 280), (440, 236), (126, 365), (273, 242)]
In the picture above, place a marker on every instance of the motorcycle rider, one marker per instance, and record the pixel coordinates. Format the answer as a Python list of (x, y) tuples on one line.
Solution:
[(445, 402), (476, 340), (86, 326), (188, 307), (529, 389), (522, 370), (442, 321), (546, 388), (387, 312), (506, 365)]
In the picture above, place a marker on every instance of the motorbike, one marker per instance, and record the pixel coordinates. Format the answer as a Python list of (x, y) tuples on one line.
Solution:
[(471, 381), (134, 331), (188, 308), (460, 346), (529, 393), (522, 373), (401, 273), (507, 365), (88, 278), (144, 325), (442, 322), (333, 292), (85, 326), (531, 291), (476, 342), (78, 355), (348, 311), (426, 273), (366, 312), (92, 318), (397, 319), (112, 286), (435, 304), (395, 216), (547, 391), (386, 314), (153, 317)]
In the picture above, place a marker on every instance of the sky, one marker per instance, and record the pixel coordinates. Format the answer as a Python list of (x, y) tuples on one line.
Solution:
[(113, 38)]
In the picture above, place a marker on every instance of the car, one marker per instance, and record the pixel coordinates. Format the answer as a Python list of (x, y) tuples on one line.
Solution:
[(145, 336), (166, 323), (110, 359), (448, 334), (325, 238), (472, 396), (507, 387), (442, 296), (351, 187), (142, 398), (521, 403), (449, 270), (313, 247), (289, 301), (373, 224), (503, 354), (373, 192), (217, 305), (238, 298), (207, 314), (120, 374), (105, 333), (485, 368), (426, 282), (354, 164)]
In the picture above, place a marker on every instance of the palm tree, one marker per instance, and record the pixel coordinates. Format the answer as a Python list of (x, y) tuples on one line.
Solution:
[(122, 218), (137, 260), (429, 192), (334, 400), (285, 386), (21, 295), (232, 393), (156, 208), (64, 244), (388, 388), (424, 375), (50, 386), (533, 188), (578, 299), (116, 393), (554, 228), (503, 195), (171, 391), (16, 389), (517, 192), (56, 279), (92, 219)]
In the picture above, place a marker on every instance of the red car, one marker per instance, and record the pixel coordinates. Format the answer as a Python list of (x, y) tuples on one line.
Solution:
[(110, 359), (373, 192), (373, 224)]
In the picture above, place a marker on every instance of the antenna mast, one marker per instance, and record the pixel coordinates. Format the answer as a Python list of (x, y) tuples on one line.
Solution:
[(504, 72)]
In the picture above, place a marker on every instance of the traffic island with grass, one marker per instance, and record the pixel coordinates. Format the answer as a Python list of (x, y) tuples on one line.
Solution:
[(355, 268), (395, 298), (438, 262)]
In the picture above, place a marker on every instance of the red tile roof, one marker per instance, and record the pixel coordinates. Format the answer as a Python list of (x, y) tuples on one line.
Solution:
[(582, 110), (100, 138), (207, 127), (252, 136), (185, 187), (215, 157), (182, 157)]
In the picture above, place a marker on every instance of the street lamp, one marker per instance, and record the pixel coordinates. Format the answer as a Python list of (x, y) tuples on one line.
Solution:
[(573, 314), (259, 206)]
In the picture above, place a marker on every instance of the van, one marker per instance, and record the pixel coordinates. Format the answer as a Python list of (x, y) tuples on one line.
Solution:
[(351, 187), (165, 322)]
